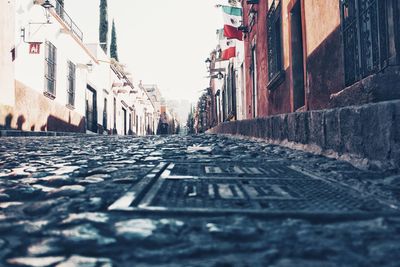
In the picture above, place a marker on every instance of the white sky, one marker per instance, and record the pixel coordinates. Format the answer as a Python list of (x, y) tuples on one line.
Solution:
[(162, 42)]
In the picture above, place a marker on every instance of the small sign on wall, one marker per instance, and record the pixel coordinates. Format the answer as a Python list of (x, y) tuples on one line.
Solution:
[(34, 48)]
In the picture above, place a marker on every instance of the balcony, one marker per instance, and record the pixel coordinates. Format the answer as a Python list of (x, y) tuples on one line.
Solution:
[(59, 9)]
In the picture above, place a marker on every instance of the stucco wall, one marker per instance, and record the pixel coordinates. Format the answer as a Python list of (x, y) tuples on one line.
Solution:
[(35, 112), (325, 66), (322, 49), (30, 68), (7, 10)]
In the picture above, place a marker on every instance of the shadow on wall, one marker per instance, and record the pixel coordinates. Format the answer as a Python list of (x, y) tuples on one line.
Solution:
[(53, 124), (325, 69), (8, 121), (20, 122)]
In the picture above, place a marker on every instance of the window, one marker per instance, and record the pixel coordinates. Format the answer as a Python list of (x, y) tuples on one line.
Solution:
[(365, 37), (274, 42), (50, 69), (71, 83)]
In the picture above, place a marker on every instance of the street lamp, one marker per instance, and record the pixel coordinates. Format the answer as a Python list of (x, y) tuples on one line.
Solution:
[(208, 63), (220, 75), (243, 28), (47, 5), (89, 66)]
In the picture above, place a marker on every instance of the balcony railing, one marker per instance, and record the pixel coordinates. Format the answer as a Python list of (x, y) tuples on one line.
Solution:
[(67, 19)]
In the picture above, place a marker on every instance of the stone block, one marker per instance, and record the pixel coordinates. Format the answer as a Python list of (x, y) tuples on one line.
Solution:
[(249, 128), (275, 128), (268, 130), (283, 127), (377, 122), (395, 140), (291, 125), (351, 135), (259, 128), (332, 130), (264, 127), (316, 128), (301, 127)]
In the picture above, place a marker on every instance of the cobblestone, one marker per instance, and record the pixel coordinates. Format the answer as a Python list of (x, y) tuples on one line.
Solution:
[(56, 194)]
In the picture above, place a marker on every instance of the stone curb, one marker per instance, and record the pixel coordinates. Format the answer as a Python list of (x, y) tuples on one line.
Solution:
[(370, 132), (15, 133)]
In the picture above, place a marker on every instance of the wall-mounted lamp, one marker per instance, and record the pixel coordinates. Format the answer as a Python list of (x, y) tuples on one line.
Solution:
[(89, 66), (252, 2), (23, 34), (208, 63), (47, 5), (243, 28)]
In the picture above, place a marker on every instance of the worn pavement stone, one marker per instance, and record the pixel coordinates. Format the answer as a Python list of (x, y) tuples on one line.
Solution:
[(55, 193)]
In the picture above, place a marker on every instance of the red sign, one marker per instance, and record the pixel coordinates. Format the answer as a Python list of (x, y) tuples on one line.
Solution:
[(34, 48)]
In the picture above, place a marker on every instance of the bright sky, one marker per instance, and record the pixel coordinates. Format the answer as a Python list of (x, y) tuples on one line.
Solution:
[(162, 42)]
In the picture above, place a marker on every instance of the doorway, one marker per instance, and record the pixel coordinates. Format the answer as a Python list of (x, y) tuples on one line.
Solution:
[(130, 124), (297, 55), (91, 109), (124, 118)]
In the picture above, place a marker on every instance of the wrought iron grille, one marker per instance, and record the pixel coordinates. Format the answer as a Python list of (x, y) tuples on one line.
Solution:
[(274, 40), (71, 83), (365, 37), (50, 68)]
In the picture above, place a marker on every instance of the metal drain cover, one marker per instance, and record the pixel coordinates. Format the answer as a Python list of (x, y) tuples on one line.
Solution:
[(230, 169), (240, 188)]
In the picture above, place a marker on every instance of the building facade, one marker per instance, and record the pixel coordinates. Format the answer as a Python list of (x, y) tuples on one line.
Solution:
[(52, 81), (307, 55)]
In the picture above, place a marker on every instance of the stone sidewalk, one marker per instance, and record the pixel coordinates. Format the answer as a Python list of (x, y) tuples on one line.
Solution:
[(190, 201)]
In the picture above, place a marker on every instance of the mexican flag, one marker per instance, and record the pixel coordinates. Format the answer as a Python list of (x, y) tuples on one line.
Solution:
[(227, 46), (232, 21), (229, 50)]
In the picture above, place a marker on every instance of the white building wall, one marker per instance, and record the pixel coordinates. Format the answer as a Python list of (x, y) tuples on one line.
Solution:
[(100, 78), (7, 21), (30, 68)]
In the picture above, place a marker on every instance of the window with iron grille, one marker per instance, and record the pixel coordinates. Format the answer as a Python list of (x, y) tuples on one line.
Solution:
[(50, 68), (365, 37), (274, 42), (71, 83)]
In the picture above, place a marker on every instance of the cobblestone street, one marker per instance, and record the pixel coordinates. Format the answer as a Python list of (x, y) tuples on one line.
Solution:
[(202, 200)]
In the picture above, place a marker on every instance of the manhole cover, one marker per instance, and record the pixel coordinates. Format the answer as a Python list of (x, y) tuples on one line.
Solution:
[(230, 169), (240, 188)]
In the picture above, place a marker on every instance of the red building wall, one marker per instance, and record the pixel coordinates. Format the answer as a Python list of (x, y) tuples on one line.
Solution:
[(322, 49)]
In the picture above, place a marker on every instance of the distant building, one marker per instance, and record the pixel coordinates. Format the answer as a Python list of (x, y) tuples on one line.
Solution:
[(180, 107)]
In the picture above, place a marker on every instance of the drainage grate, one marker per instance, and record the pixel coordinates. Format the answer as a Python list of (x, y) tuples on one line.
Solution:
[(240, 188), (229, 169)]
